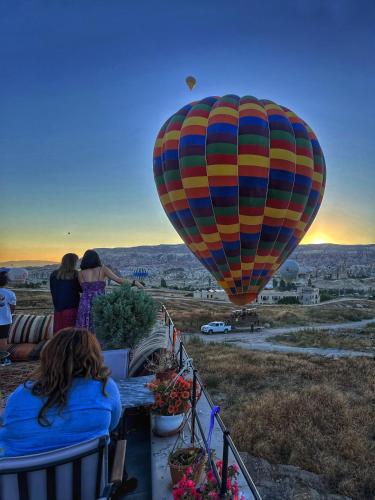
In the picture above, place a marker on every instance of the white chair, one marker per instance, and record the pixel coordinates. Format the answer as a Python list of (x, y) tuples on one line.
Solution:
[(117, 361)]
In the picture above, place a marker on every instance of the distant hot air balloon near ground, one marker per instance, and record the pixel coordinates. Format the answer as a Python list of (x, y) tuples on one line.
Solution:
[(289, 270), (18, 275), (190, 82), (241, 180)]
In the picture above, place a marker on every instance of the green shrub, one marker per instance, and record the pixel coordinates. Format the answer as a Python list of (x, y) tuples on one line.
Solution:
[(289, 300), (123, 317)]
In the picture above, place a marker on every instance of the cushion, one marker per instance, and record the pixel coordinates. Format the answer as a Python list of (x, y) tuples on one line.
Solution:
[(117, 361), (25, 352), (28, 328)]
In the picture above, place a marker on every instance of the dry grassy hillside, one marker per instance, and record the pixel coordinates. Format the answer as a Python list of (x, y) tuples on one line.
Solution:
[(189, 314), (33, 302), (312, 412)]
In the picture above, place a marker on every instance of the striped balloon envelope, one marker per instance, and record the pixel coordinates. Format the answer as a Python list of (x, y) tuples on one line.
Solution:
[(241, 180)]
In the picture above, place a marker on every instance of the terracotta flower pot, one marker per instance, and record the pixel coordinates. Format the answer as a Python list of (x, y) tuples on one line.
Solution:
[(167, 425), (178, 471)]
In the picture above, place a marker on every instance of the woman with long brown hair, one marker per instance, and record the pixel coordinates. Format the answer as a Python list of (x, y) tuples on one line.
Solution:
[(65, 290), (70, 399)]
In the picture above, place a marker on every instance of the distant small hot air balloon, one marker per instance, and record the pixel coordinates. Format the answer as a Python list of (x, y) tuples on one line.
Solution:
[(289, 270), (190, 82), (18, 275), (140, 273), (241, 179)]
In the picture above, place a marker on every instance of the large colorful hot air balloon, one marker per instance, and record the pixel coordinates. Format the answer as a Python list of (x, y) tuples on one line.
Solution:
[(241, 180)]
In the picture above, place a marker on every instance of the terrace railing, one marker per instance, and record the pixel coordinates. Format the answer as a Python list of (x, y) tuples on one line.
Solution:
[(196, 424)]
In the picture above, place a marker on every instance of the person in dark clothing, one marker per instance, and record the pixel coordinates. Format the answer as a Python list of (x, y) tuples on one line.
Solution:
[(65, 290)]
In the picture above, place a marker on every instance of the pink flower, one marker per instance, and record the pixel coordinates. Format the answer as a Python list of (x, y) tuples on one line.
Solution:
[(189, 471), (182, 482), (235, 489), (210, 476), (177, 493)]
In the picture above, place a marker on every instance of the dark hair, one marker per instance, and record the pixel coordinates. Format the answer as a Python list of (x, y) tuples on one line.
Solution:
[(67, 271), (71, 353), (90, 260), (4, 278)]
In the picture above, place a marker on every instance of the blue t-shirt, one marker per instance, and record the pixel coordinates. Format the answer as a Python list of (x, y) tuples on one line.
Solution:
[(88, 414)]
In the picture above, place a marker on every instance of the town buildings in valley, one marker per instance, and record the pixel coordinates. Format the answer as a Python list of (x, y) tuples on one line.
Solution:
[(305, 295)]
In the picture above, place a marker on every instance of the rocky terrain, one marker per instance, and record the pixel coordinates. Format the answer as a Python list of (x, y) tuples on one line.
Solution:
[(349, 268)]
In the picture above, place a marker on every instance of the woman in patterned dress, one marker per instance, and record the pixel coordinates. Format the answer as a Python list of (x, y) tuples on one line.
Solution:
[(92, 278)]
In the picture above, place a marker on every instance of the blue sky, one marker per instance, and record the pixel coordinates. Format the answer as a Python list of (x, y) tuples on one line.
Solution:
[(86, 85)]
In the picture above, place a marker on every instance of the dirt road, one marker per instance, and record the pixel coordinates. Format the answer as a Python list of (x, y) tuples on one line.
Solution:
[(257, 340)]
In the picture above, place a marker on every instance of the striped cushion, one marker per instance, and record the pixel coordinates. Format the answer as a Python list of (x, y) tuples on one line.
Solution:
[(28, 328), (25, 352)]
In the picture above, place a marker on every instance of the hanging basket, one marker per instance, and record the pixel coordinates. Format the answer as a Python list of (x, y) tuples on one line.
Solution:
[(178, 467)]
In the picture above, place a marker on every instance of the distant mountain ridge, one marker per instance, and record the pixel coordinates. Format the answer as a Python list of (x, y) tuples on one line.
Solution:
[(169, 256), (27, 263), (178, 255)]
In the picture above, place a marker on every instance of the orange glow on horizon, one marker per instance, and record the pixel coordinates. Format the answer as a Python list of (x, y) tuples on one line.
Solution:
[(317, 238), (50, 252)]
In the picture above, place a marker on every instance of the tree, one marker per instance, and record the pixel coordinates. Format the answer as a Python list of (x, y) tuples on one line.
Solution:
[(282, 285), (289, 300), (163, 283), (309, 283), (123, 317)]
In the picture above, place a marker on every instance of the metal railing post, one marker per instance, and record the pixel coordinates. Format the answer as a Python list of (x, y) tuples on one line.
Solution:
[(224, 471), (181, 354), (193, 407), (169, 329)]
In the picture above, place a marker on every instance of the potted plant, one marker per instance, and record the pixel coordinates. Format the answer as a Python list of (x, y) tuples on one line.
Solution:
[(188, 489), (184, 461), (164, 364), (123, 317), (172, 401)]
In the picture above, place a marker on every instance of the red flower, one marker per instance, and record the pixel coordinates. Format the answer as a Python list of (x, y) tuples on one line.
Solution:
[(177, 493), (235, 468), (211, 476)]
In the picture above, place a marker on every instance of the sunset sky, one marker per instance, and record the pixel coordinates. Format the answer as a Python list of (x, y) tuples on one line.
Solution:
[(85, 87)]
